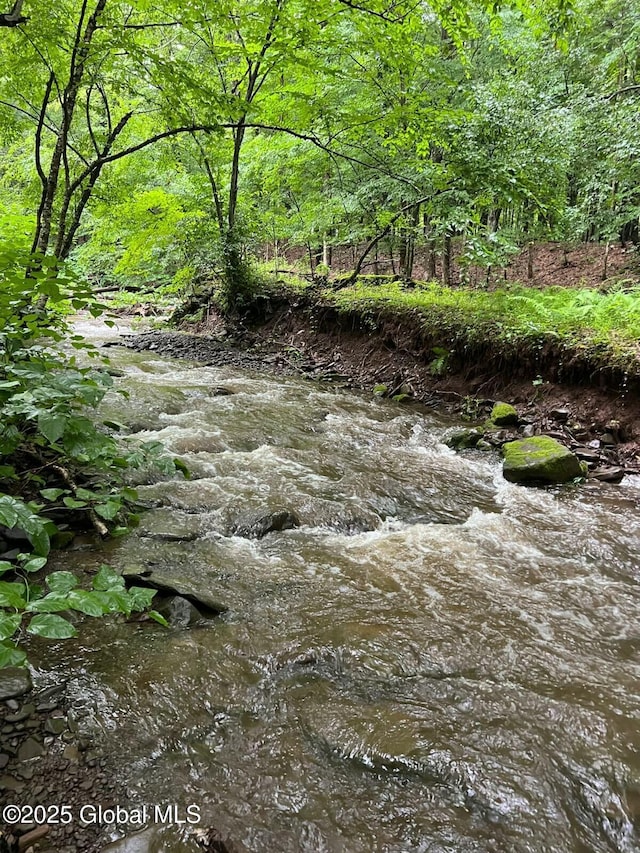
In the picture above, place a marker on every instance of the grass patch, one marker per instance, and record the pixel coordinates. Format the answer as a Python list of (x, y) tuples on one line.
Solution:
[(601, 328)]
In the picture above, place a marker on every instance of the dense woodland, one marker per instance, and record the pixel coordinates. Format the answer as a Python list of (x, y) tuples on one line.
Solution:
[(156, 145), (159, 150)]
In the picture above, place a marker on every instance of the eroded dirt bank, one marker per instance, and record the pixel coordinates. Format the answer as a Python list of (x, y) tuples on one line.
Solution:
[(599, 414)]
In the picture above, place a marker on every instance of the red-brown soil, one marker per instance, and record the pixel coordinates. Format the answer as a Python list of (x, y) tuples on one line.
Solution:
[(320, 342)]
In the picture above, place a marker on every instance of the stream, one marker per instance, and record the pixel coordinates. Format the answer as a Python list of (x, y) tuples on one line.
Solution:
[(434, 660)]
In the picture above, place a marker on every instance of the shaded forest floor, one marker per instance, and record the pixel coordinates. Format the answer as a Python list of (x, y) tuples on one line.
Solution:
[(562, 264)]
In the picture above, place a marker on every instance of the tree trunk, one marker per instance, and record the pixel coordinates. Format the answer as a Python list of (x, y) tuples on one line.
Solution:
[(530, 261), (446, 262), (605, 263)]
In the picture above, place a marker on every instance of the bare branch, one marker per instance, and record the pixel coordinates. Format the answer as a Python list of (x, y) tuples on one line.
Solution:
[(14, 18), (625, 91), (387, 15)]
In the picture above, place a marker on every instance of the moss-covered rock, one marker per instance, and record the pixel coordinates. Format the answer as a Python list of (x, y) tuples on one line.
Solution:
[(463, 439), (503, 414), (540, 459)]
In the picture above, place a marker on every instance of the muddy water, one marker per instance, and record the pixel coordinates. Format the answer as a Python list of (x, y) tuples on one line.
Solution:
[(436, 660)]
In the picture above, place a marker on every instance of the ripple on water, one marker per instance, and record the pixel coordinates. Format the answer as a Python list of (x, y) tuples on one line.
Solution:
[(436, 660)]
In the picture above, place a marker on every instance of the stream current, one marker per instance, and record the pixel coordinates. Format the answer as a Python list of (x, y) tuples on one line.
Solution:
[(435, 660)]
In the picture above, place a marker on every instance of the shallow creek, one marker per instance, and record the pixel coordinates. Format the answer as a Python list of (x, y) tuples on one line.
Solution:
[(435, 660)]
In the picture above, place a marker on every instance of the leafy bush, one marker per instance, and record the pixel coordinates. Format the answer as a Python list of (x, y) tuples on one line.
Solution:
[(58, 468)]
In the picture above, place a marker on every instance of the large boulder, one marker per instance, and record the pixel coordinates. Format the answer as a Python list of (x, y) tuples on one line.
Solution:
[(540, 459)]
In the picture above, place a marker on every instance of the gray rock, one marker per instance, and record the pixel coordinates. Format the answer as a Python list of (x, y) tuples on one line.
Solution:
[(255, 525), (71, 752), (611, 474), (464, 439), (528, 431), (14, 681), (55, 725), (560, 415), (9, 783), (178, 611), (30, 748), (588, 454), (164, 580), (607, 438), (24, 712)]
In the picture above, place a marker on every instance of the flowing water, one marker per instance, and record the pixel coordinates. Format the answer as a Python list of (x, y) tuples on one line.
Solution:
[(435, 660)]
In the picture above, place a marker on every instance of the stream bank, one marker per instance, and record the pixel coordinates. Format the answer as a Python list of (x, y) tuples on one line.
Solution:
[(389, 356)]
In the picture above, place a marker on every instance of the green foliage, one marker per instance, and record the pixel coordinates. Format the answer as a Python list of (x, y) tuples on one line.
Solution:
[(32, 608), (55, 461)]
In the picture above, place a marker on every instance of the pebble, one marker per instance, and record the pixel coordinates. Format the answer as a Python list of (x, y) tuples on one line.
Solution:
[(51, 705), (10, 783), (71, 752)]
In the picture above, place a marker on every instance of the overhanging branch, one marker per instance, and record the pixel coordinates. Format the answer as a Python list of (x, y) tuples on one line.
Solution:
[(14, 18)]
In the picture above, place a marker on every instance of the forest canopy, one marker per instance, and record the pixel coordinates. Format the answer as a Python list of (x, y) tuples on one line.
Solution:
[(156, 145)]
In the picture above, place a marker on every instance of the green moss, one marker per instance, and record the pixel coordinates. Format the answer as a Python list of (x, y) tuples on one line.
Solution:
[(504, 414), (539, 459), (464, 439)]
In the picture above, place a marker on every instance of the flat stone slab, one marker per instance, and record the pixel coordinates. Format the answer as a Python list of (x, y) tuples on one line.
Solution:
[(164, 581)]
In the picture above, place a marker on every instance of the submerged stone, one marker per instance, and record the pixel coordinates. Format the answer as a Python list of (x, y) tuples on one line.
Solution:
[(504, 414), (255, 525), (540, 459)]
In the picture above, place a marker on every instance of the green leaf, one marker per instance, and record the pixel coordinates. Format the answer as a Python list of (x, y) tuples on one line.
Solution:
[(114, 601), (53, 494), (10, 655), (108, 579), (61, 582), (5, 566), (8, 514), (86, 602), (72, 503), (52, 426), (180, 466), (108, 510), (51, 603), (158, 617), (141, 597), (12, 595), (34, 564), (51, 627), (9, 624)]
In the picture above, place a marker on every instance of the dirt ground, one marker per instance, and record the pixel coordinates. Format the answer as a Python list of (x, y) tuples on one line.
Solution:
[(563, 264)]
